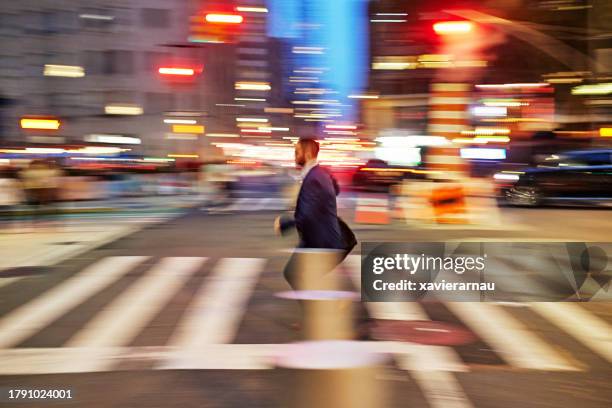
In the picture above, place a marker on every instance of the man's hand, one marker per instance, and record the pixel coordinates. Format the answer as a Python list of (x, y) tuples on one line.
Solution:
[(277, 225)]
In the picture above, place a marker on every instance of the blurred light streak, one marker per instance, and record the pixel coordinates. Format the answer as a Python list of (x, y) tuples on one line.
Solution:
[(113, 139), (176, 71), (495, 139), (388, 21), (96, 17), (43, 150), (488, 111), (341, 127), (356, 96), (339, 132), (222, 135), (255, 131), (564, 80), (465, 140), (453, 27), (196, 129), (252, 86), (183, 156), (307, 50), (181, 136), (605, 132), (602, 102), (342, 139), (278, 110), (183, 113), (593, 89), (483, 130), (506, 176), (123, 110), (401, 169), (158, 159), (316, 102), (274, 129), (234, 105), (98, 150), (258, 120), (67, 71), (180, 121), (247, 9), (483, 153), (251, 99), (224, 18), (517, 85), (391, 14), (504, 102), (43, 124)]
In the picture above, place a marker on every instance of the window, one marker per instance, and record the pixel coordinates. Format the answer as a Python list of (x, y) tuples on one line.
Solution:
[(155, 18), (117, 62), (155, 59), (157, 102), (92, 61)]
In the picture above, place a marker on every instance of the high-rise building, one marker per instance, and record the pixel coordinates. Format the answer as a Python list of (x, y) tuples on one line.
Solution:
[(110, 67)]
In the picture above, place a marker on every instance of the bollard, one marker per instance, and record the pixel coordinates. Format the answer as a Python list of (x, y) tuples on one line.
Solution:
[(326, 314), (315, 269), (331, 374)]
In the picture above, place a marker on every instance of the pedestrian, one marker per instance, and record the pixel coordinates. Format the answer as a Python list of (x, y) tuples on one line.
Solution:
[(10, 196), (41, 181), (315, 216)]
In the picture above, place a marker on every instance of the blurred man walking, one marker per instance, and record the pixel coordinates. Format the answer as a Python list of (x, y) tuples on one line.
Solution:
[(315, 217)]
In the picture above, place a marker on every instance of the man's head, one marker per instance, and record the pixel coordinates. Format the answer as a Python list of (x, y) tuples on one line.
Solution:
[(305, 151)]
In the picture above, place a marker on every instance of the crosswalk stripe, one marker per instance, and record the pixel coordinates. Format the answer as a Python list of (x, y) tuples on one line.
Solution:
[(28, 361), (6, 281), (127, 315), (429, 366), (218, 307), (587, 328), (510, 338), (36, 314), (441, 389), (430, 357)]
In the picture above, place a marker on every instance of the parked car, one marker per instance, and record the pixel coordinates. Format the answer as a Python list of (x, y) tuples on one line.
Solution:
[(582, 177)]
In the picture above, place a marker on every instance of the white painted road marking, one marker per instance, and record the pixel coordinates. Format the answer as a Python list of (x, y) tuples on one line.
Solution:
[(36, 314)]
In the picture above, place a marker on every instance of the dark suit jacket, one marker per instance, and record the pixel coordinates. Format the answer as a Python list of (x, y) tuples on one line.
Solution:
[(316, 217)]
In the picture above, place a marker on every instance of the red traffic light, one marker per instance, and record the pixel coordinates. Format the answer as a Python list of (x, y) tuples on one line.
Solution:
[(223, 18), (177, 71), (453, 27)]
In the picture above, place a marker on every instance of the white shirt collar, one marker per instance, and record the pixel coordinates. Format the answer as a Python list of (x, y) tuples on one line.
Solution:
[(307, 167)]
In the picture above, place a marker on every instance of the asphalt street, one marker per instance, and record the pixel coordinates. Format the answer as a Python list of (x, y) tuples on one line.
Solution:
[(116, 328)]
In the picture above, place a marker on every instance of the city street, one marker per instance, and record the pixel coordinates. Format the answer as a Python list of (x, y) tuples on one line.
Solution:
[(181, 311), (306, 204)]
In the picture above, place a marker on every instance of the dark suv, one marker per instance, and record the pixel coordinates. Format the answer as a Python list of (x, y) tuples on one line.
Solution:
[(575, 177)]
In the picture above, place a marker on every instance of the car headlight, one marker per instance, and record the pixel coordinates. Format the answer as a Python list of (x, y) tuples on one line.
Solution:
[(506, 176)]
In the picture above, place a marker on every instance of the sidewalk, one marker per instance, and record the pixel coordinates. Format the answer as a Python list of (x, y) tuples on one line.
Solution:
[(149, 203), (24, 245)]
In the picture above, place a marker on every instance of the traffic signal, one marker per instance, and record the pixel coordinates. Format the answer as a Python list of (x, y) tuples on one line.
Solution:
[(179, 74), (215, 27), (177, 71), (453, 27), (223, 18)]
